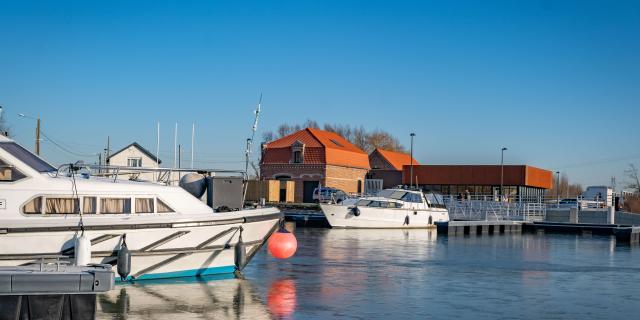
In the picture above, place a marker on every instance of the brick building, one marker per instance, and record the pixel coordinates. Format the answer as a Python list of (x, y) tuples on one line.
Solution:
[(387, 165), (311, 157)]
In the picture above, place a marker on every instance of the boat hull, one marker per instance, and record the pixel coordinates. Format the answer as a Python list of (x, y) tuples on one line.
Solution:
[(341, 216), (184, 248)]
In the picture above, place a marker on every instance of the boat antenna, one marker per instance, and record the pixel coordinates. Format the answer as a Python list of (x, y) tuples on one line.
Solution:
[(247, 152), (253, 134)]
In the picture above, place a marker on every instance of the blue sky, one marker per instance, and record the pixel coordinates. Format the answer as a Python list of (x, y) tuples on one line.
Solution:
[(554, 81)]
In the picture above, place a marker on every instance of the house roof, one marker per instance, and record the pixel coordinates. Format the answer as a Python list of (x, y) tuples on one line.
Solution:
[(320, 147), (395, 159), (139, 147)]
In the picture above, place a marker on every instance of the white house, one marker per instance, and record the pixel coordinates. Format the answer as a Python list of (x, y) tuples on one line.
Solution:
[(134, 155)]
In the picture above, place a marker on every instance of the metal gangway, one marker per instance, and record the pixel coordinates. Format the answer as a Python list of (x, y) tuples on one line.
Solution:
[(495, 208)]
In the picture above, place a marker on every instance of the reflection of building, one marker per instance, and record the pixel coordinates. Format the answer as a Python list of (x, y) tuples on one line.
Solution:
[(387, 165), (311, 157), (520, 180)]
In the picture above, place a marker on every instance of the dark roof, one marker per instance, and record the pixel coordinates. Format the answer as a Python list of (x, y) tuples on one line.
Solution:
[(141, 148)]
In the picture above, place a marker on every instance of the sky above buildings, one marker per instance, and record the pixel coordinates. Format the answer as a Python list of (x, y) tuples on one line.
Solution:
[(556, 82)]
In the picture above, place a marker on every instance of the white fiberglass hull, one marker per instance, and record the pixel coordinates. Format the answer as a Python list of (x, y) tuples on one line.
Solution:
[(196, 246), (342, 216)]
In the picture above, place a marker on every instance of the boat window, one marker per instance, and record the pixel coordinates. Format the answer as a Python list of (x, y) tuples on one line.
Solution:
[(33, 207), (115, 205), (9, 173), (144, 205), (163, 207), (363, 203), (374, 204), (394, 205), (412, 197), (435, 200), (27, 157), (89, 205), (62, 206), (397, 195)]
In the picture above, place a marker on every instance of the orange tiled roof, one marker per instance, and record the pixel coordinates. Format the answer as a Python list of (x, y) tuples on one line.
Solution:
[(396, 159), (321, 147)]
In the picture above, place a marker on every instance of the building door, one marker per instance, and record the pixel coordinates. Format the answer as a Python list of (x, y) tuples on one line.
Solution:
[(307, 192)]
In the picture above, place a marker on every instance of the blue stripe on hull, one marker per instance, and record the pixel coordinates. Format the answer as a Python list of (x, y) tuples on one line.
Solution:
[(184, 273)]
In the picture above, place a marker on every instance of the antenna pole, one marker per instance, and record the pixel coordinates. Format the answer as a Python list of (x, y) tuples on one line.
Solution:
[(248, 150), (175, 146), (193, 135), (158, 149)]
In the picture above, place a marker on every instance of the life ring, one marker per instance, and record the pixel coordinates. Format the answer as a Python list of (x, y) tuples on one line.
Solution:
[(354, 211)]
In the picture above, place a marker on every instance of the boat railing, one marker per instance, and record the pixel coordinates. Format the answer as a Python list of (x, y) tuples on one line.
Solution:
[(166, 176)]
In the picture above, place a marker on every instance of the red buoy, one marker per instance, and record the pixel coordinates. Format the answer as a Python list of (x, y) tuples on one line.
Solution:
[(282, 244)]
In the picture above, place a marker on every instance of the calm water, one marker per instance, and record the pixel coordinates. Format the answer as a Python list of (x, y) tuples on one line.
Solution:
[(397, 274)]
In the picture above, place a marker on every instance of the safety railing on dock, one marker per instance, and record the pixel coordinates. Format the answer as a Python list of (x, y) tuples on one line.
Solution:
[(491, 208)]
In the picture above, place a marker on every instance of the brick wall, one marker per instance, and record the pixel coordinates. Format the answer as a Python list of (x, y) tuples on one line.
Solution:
[(343, 178)]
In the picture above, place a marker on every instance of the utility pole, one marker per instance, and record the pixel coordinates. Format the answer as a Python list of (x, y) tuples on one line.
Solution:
[(179, 154), (411, 166), (502, 172), (558, 188), (38, 136)]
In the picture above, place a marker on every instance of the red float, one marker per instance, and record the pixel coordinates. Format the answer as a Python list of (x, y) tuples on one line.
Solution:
[(282, 244)]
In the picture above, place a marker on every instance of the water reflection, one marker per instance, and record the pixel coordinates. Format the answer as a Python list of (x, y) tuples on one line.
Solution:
[(183, 298), (281, 298)]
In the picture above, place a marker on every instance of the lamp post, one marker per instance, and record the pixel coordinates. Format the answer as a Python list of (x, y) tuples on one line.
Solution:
[(411, 166), (37, 130), (502, 172), (558, 188)]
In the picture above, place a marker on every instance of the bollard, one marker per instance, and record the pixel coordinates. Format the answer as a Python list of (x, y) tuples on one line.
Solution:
[(611, 215), (573, 215)]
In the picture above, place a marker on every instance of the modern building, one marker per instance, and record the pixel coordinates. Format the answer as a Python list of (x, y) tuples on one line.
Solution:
[(521, 180), (134, 155), (387, 166), (313, 157)]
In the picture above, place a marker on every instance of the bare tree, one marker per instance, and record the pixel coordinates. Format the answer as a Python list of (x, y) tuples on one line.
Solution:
[(4, 129), (359, 136), (565, 188), (632, 175)]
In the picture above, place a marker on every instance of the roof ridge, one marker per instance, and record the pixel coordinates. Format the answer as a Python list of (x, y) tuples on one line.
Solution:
[(310, 130)]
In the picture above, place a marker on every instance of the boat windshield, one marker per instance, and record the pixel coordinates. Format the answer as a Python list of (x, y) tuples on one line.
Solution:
[(435, 200), (27, 157), (397, 195)]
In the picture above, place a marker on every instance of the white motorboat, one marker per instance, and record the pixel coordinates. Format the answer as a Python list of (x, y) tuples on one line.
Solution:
[(169, 232), (390, 208)]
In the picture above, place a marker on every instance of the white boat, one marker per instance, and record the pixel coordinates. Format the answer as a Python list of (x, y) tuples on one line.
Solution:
[(169, 232), (391, 208)]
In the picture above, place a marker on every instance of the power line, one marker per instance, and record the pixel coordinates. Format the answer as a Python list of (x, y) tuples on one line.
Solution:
[(65, 149)]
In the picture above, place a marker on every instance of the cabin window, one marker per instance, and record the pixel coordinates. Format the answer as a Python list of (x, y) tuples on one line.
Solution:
[(144, 205), (26, 157), (398, 195), (62, 206), (163, 207), (375, 204), (363, 203), (33, 207), (9, 173), (89, 205), (412, 197), (134, 162), (115, 205), (297, 156)]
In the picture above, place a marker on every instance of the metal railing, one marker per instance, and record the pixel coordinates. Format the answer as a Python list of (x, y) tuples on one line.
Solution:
[(162, 175)]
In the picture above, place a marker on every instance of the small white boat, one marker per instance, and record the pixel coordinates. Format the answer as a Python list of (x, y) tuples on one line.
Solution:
[(391, 208), (45, 212)]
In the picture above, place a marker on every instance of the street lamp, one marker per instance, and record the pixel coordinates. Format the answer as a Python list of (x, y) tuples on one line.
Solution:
[(411, 167), (37, 130), (558, 188), (502, 171)]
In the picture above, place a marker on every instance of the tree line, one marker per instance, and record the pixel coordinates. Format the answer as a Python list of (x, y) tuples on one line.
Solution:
[(367, 140)]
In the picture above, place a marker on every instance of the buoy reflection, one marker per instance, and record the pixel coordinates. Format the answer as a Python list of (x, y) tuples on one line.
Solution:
[(281, 298)]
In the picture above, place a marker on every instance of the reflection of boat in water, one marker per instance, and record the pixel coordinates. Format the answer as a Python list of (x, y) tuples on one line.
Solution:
[(177, 299), (391, 208), (169, 232)]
